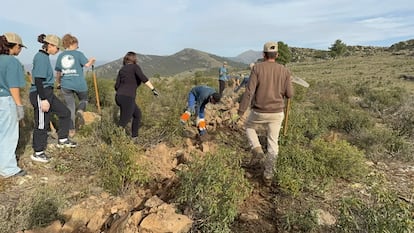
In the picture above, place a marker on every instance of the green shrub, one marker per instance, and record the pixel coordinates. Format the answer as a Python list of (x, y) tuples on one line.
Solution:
[(121, 164), (292, 159), (353, 121), (385, 212), (380, 100), (381, 143), (37, 208), (106, 92), (299, 221), (310, 169), (212, 188), (339, 158)]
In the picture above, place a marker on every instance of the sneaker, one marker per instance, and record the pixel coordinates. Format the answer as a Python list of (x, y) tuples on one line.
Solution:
[(40, 158), (66, 143), (21, 173), (80, 118)]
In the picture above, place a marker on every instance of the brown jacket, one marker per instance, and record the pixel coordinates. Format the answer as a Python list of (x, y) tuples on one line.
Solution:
[(269, 84)]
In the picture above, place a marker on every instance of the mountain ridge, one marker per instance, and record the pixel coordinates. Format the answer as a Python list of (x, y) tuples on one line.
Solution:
[(188, 60)]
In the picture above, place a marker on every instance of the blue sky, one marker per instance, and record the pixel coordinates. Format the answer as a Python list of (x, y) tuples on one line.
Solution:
[(107, 29)]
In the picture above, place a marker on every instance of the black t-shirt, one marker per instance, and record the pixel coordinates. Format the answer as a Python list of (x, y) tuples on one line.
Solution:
[(130, 76)]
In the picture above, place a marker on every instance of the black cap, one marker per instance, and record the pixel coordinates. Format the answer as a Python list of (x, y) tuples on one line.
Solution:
[(216, 97)]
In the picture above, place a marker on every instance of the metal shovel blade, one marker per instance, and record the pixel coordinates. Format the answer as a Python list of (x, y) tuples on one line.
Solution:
[(300, 81)]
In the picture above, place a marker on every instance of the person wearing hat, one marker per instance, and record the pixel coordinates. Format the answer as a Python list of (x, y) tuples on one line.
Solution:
[(198, 98), (222, 78), (269, 84), (71, 80), (45, 102), (11, 106)]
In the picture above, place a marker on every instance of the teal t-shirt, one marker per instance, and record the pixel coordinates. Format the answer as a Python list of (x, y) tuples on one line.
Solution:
[(42, 69), (223, 73), (11, 74), (70, 63)]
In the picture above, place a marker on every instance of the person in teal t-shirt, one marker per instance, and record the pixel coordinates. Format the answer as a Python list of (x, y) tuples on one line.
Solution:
[(222, 78), (71, 80), (11, 106), (45, 102)]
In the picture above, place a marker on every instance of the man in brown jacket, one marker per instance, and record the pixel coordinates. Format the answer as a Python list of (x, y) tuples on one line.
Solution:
[(270, 83)]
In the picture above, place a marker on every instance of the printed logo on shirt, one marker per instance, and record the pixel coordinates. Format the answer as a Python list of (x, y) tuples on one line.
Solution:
[(67, 63)]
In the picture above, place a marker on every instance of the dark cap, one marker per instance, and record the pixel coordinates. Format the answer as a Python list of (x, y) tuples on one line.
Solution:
[(216, 96)]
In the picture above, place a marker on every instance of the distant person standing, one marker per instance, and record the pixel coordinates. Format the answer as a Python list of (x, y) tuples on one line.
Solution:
[(222, 78), (71, 80), (129, 78), (11, 106), (45, 102), (198, 98), (269, 84)]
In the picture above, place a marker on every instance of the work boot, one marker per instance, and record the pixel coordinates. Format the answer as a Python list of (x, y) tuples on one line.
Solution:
[(267, 179), (268, 174), (256, 161)]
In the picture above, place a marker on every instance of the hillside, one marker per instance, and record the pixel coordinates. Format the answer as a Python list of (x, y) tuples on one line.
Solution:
[(345, 165), (186, 60)]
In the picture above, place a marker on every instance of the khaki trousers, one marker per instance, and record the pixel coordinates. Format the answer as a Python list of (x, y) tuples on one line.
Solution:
[(272, 123)]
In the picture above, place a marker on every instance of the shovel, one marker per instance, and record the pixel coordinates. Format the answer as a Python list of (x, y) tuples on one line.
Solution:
[(302, 83), (96, 89)]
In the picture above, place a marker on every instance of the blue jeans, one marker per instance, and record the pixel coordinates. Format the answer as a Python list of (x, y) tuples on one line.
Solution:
[(9, 136)]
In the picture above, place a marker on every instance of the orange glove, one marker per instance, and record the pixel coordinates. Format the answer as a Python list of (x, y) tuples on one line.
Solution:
[(185, 116), (201, 124)]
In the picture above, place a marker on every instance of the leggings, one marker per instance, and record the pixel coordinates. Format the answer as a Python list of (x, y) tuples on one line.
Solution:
[(129, 109)]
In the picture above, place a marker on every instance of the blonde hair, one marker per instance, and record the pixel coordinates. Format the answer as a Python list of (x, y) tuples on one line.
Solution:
[(69, 40)]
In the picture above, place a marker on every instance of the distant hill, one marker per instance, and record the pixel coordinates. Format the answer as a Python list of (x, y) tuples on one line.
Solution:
[(186, 60), (248, 56)]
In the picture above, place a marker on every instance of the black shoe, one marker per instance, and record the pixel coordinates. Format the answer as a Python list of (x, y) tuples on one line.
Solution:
[(21, 173), (68, 143), (40, 158)]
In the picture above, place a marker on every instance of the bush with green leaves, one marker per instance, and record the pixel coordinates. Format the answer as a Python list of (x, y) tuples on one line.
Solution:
[(382, 143), (338, 49), (380, 100), (285, 55), (299, 221), (120, 162), (212, 188), (301, 169), (37, 208), (106, 92), (383, 212)]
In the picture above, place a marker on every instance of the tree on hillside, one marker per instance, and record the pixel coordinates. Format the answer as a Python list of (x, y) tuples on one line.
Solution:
[(337, 49), (285, 55)]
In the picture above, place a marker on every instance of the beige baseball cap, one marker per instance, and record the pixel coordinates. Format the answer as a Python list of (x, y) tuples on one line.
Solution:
[(14, 38), (54, 40), (270, 47)]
